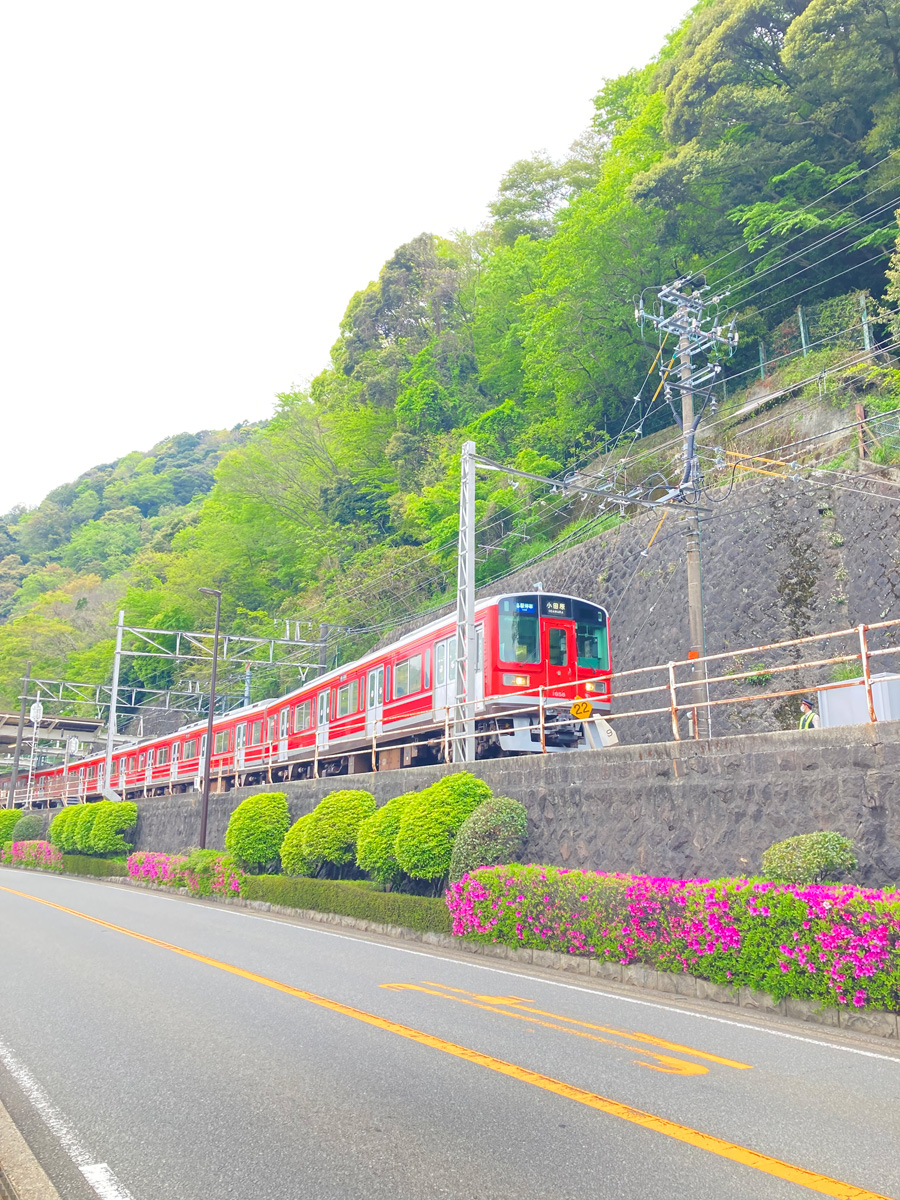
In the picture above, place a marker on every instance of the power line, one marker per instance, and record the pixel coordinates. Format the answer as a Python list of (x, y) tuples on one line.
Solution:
[(795, 213)]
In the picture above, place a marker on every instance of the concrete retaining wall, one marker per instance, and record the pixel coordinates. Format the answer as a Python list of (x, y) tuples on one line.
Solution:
[(676, 808)]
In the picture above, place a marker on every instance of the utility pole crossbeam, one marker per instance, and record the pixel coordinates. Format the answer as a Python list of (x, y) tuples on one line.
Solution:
[(464, 725), (692, 318)]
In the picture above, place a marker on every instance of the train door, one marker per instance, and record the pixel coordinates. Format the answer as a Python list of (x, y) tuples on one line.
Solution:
[(240, 740), (284, 718), (176, 750), (101, 771), (322, 714), (375, 701), (444, 677), (557, 651), (479, 662), (148, 775)]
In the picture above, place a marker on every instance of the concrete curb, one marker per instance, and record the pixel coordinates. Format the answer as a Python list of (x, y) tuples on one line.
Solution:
[(21, 1169), (873, 1022)]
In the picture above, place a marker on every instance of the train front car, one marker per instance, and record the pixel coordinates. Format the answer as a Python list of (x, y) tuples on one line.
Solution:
[(543, 650)]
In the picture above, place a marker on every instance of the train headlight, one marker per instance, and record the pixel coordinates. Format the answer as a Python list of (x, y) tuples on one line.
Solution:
[(516, 680), (594, 687)]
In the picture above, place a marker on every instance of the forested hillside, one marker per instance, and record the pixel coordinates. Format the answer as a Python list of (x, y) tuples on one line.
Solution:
[(755, 151)]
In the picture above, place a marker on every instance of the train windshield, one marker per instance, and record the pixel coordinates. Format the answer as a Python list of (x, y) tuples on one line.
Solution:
[(519, 630), (591, 641)]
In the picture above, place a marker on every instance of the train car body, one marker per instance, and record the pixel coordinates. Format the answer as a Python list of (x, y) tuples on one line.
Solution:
[(536, 654)]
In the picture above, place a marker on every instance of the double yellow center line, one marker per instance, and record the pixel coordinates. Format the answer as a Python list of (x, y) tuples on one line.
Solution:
[(823, 1184)]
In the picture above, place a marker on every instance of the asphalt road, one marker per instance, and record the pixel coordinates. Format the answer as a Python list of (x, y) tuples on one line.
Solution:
[(379, 1070)]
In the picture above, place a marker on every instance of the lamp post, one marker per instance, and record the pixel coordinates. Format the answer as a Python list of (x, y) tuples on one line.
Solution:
[(207, 765)]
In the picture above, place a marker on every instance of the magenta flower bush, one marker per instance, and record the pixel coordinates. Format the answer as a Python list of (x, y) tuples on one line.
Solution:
[(202, 873), (154, 868), (836, 944), (40, 855)]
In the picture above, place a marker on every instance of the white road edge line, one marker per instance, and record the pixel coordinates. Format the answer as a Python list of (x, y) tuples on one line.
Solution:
[(572, 987), (98, 1175)]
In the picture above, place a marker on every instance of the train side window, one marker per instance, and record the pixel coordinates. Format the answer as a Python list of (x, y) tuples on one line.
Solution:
[(256, 733), (163, 756), (190, 748), (302, 716), (408, 676), (271, 729), (426, 670), (558, 646), (362, 694), (348, 698), (220, 745), (440, 664)]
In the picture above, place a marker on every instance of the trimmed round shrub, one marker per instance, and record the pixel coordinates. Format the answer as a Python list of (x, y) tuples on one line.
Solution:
[(376, 837), (431, 821), (256, 830), (330, 834), (30, 827), (82, 827), (62, 828), (809, 858), (9, 819), (294, 858), (494, 833), (112, 819)]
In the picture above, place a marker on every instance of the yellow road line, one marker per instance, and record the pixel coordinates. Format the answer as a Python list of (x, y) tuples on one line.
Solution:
[(823, 1184), (671, 1066), (525, 1006)]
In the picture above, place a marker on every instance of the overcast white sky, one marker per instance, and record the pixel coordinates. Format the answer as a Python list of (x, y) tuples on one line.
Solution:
[(194, 190)]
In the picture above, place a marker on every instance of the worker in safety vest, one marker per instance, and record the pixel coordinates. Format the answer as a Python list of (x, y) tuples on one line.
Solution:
[(809, 718)]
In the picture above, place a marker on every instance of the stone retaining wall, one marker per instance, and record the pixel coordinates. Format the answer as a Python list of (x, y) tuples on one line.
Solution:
[(676, 808)]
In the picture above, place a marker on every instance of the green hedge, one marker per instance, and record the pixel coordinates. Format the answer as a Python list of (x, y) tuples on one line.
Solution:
[(294, 857), (9, 819), (256, 830), (809, 858), (376, 838), (494, 833), (350, 900), (113, 818), (330, 833), (431, 821), (81, 864), (30, 827)]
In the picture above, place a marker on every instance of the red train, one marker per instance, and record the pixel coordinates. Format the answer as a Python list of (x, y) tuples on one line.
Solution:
[(388, 709)]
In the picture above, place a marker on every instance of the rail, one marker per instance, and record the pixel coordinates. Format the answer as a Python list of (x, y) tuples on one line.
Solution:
[(658, 699)]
